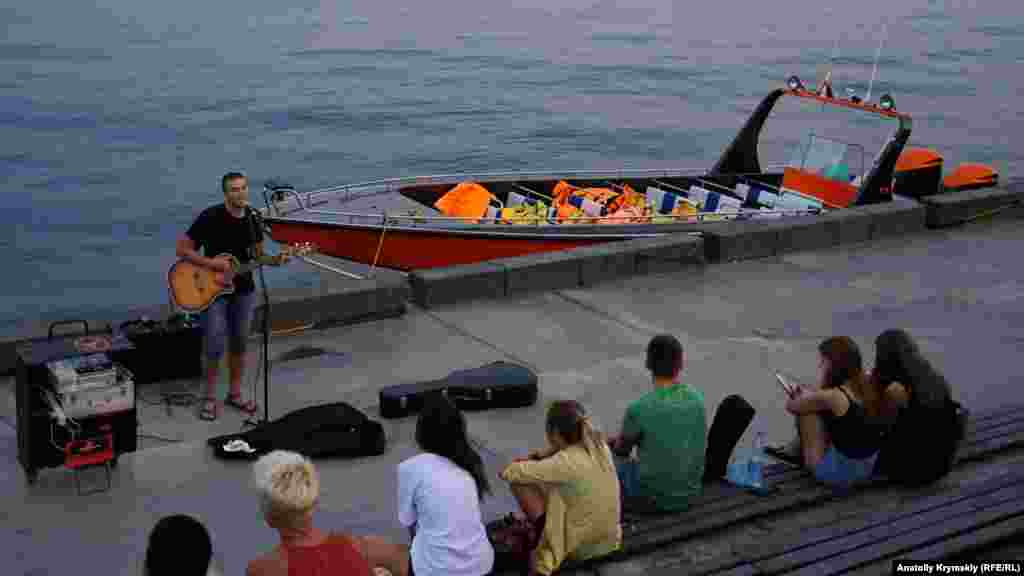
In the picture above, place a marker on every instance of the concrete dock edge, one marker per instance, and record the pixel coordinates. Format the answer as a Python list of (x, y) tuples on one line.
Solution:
[(607, 261), (356, 301), (895, 218), (668, 253), (341, 300), (439, 286), (955, 208), (730, 241), (541, 271)]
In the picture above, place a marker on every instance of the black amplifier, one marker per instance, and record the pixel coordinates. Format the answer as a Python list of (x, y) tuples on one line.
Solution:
[(162, 350)]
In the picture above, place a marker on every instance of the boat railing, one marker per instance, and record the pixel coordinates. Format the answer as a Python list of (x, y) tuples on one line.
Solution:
[(349, 192), (285, 192), (715, 185), (416, 220)]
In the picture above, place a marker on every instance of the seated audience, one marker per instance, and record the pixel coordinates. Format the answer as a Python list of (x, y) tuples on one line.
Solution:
[(288, 488), (839, 439), (568, 491), (439, 494), (923, 429), (668, 427), (179, 545)]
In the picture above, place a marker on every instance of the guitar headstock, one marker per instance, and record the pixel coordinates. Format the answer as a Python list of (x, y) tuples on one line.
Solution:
[(300, 249)]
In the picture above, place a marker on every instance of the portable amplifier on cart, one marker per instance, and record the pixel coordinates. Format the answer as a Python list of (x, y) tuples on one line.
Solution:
[(82, 372), (84, 401)]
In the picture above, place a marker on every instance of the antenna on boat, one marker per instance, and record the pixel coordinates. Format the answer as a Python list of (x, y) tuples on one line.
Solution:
[(824, 87), (878, 53), (832, 62)]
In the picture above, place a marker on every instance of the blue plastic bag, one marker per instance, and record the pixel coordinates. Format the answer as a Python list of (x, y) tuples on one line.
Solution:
[(748, 472)]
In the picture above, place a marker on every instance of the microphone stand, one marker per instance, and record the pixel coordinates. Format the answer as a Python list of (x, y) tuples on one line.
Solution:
[(255, 223)]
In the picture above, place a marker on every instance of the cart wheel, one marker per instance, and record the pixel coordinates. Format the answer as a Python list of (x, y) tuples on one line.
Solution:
[(113, 462), (31, 476)]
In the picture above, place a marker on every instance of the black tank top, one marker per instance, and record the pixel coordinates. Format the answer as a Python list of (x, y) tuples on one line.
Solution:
[(851, 433)]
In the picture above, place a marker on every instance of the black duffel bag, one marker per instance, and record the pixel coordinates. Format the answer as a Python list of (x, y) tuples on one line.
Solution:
[(327, 430)]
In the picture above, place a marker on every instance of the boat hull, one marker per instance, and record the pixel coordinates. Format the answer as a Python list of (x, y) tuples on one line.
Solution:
[(418, 249)]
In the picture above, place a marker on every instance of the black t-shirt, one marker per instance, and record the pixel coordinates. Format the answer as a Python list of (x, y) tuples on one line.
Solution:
[(216, 231)]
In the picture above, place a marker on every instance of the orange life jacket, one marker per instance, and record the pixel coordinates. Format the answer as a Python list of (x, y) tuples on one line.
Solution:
[(467, 200)]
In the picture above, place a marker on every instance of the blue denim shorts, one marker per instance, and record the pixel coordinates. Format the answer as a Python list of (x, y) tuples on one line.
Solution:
[(628, 475), (226, 321), (840, 471)]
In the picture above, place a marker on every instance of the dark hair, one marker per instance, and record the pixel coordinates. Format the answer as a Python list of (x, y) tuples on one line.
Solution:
[(566, 418), (178, 545), (846, 365), (441, 430), (664, 356), (229, 177), (898, 359)]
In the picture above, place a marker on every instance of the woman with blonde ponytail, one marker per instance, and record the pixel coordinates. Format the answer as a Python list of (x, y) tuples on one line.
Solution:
[(288, 488), (569, 491)]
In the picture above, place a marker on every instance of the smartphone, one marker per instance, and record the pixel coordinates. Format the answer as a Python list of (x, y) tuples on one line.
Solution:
[(787, 387)]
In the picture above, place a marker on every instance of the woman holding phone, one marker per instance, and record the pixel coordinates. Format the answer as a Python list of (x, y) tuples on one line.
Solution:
[(839, 442)]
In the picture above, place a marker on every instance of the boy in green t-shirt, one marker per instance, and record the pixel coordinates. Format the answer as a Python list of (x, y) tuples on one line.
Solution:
[(668, 427)]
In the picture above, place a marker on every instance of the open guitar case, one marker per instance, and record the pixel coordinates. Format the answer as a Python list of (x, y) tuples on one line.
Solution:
[(327, 430), (496, 385)]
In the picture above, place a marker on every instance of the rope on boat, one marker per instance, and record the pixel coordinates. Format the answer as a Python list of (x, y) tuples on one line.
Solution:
[(295, 330), (380, 244)]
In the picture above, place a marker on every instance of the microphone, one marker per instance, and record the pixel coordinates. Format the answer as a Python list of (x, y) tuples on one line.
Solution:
[(254, 217)]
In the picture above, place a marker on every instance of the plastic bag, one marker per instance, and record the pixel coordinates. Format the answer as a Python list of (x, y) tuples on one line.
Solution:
[(748, 471)]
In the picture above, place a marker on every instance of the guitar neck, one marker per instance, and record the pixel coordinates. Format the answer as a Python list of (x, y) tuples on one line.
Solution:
[(248, 267), (297, 250)]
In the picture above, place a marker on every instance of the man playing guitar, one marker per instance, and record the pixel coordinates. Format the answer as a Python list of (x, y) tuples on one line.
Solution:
[(231, 228)]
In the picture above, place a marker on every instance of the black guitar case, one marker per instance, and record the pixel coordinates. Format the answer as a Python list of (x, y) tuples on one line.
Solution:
[(328, 430), (496, 385)]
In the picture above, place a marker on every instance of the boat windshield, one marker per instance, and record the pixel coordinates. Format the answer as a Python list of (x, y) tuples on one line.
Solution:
[(829, 158), (829, 139)]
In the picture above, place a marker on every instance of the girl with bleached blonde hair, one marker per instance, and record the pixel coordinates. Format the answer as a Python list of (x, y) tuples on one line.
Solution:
[(288, 488)]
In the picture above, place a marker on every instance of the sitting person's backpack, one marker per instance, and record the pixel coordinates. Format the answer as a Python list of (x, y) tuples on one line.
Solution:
[(921, 446), (337, 429), (731, 419), (513, 540)]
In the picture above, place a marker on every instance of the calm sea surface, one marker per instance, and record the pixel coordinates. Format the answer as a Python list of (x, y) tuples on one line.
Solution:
[(117, 119)]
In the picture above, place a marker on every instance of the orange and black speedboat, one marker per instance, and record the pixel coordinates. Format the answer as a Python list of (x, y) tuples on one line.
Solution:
[(466, 218)]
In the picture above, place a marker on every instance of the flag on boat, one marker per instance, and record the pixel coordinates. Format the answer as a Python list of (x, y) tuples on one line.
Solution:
[(760, 196), (697, 195), (718, 202), (515, 199), (791, 200), (664, 202)]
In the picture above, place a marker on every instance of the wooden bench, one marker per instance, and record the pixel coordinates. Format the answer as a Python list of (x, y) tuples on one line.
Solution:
[(931, 529), (789, 487)]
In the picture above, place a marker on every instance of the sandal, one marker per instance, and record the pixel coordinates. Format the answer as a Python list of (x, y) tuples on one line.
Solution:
[(235, 401), (208, 411)]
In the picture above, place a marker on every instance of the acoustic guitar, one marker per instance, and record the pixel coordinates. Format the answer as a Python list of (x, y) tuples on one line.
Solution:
[(193, 288)]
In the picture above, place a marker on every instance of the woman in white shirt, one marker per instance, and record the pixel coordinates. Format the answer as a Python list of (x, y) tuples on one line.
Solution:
[(439, 494)]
